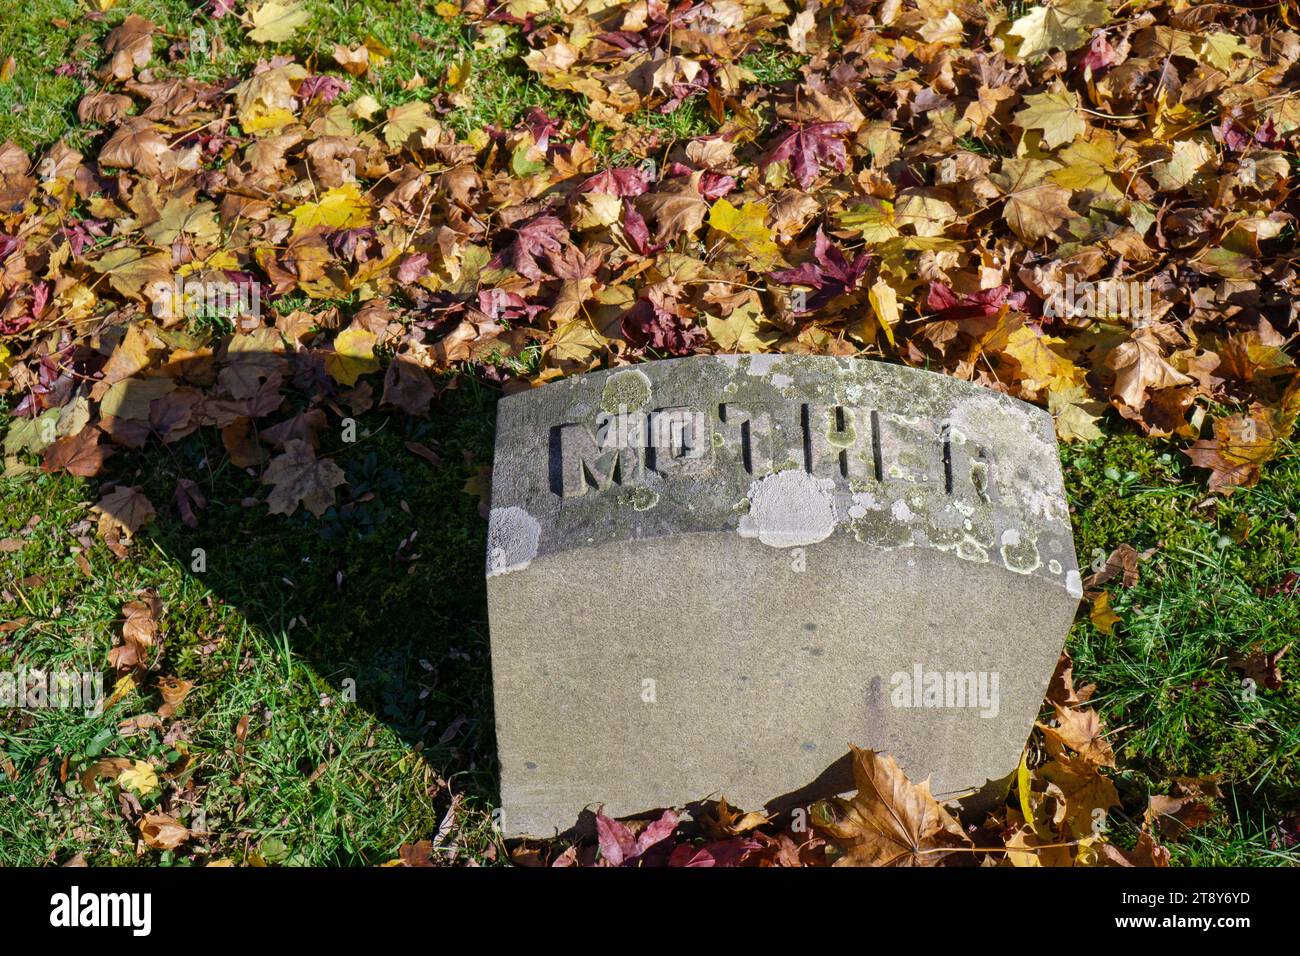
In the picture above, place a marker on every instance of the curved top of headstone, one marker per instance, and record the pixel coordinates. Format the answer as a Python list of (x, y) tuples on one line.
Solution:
[(789, 450)]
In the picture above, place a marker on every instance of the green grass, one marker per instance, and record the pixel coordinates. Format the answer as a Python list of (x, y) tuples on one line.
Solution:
[(1173, 706), (37, 106), (287, 612)]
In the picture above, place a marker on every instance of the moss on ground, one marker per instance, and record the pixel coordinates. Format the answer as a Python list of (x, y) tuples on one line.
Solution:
[(1174, 707)]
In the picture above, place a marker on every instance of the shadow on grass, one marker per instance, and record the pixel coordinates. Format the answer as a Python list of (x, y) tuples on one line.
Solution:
[(383, 594)]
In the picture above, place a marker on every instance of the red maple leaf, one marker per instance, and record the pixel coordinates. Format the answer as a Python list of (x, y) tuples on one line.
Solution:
[(808, 148)]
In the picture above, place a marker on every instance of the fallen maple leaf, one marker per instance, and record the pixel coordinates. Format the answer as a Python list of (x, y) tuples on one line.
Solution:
[(298, 475), (620, 846), (1060, 690), (80, 454), (140, 776), (342, 207), (1055, 113), (174, 691), (1080, 729), (274, 22), (1088, 794), (1261, 667), (1121, 563), (676, 210), (1175, 815), (830, 273), (1037, 211), (730, 852), (139, 634), (1059, 25), (807, 149), (353, 355), (408, 387), (1139, 366), (1242, 444), (1146, 853), (890, 821), (541, 236), (125, 508)]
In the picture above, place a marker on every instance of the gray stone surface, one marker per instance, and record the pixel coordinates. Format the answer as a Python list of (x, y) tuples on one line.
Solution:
[(709, 576)]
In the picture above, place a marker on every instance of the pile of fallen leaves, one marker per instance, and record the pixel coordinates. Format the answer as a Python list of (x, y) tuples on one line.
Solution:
[(937, 176), (938, 172)]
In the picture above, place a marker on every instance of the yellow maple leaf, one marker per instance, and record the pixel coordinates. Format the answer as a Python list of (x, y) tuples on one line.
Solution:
[(130, 270), (747, 228), (874, 219), (1040, 366), (574, 341), (1170, 122), (1218, 49), (124, 686), (221, 259), (140, 777), (1103, 616), (342, 207), (1188, 157), (884, 303), (406, 120), (274, 22), (266, 101), (1073, 413), (1056, 114), (1089, 164), (927, 215), (744, 330), (353, 356), (1061, 25)]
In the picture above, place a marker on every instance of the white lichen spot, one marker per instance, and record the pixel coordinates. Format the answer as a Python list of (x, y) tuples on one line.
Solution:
[(513, 536), (1019, 554), (972, 550), (790, 509), (762, 364), (864, 501), (1054, 566), (1074, 585), (782, 381), (901, 511)]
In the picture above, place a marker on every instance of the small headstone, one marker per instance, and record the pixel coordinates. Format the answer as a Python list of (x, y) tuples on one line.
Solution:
[(708, 576)]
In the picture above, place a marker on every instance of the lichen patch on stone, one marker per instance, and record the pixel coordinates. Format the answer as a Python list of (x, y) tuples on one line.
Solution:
[(625, 391), (1073, 584), (790, 509), (1019, 552), (513, 537)]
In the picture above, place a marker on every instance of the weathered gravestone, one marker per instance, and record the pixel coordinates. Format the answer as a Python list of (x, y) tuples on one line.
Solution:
[(709, 576)]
